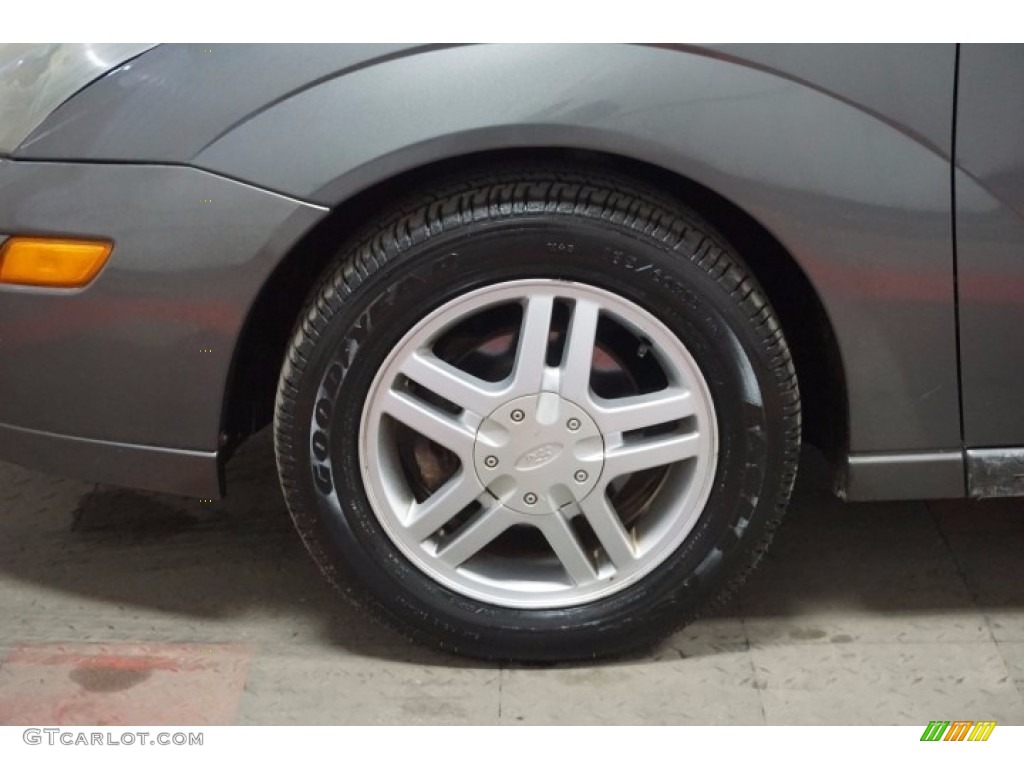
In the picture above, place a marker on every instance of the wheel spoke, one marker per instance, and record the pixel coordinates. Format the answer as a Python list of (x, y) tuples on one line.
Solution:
[(640, 411), (480, 531), (654, 452), (567, 547), (532, 350), (429, 422), (446, 502), (579, 352), (612, 534), (540, 448), (455, 386)]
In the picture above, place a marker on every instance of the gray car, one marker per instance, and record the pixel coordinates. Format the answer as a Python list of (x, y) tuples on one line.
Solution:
[(540, 329)]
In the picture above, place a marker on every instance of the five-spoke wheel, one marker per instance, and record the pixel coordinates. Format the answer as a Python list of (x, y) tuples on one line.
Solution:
[(537, 415), (538, 448)]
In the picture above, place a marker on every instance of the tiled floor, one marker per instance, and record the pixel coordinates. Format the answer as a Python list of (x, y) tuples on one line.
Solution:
[(113, 601)]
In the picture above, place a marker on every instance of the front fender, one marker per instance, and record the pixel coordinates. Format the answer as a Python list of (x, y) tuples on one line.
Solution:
[(861, 201), (828, 157)]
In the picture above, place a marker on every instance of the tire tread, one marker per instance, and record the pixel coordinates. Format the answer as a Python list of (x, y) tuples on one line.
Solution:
[(509, 192)]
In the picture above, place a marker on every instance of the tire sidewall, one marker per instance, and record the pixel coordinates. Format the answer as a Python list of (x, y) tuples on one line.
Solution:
[(675, 287)]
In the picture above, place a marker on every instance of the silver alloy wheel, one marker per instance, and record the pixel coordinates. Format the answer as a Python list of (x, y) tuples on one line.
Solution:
[(539, 449)]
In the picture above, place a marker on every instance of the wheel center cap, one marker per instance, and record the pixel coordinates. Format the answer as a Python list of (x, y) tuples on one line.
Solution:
[(539, 454)]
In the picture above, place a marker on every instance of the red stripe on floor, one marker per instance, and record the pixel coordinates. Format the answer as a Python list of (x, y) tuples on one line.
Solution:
[(122, 684)]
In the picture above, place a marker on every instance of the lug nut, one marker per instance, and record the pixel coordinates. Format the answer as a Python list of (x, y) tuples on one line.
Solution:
[(530, 499), (573, 424), (518, 415), (581, 476), (491, 462)]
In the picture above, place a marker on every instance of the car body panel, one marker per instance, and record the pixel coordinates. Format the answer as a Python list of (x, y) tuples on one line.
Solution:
[(906, 86), (902, 475), (990, 243), (142, 354), (167, 105), (36, 79), (147, 467), (863, 208), (847, 168)]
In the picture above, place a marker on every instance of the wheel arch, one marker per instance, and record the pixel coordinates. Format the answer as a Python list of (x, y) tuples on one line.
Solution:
[(249, 395)]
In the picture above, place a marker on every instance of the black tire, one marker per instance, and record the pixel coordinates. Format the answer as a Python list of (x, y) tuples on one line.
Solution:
[(509, 224)]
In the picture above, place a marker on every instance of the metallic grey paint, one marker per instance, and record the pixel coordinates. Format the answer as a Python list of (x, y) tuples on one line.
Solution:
[(170, 470), (122, 359), (841, 153), (863, 208), (153, 111), (990, 242), (35, 79), (891, 476)]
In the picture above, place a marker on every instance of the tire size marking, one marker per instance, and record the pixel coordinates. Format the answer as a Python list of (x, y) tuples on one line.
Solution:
[(559, 247), (656, 274), (659, 277)]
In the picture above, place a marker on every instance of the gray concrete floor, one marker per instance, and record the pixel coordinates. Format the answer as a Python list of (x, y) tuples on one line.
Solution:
[(895, 613)]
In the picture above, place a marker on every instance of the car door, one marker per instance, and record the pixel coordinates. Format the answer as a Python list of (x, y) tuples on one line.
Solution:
[(989, 203)]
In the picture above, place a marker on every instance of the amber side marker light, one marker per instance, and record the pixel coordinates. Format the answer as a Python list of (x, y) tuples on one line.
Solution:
[(51, 262)]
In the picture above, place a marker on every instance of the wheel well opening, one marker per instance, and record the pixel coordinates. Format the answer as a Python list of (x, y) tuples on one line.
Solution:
[(252, 383), (805, 322)]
